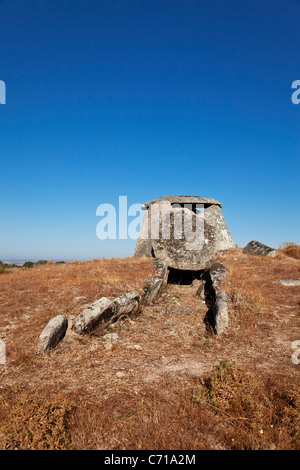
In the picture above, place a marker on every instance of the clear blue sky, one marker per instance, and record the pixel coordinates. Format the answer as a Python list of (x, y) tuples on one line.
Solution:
[(145, 99)]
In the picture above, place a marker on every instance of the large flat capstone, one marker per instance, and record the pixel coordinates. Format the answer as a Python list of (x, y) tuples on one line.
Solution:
[(183, 237), (205, 201)]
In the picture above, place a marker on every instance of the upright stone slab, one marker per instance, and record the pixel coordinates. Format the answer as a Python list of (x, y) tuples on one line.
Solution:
[(215, 296), (220, 312), (154, 286)]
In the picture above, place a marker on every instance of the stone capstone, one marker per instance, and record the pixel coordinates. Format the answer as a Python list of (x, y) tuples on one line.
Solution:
[(183, 239), (205, 201)]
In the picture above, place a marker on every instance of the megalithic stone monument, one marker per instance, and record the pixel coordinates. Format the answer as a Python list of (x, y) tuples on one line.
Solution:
[(183, 231)]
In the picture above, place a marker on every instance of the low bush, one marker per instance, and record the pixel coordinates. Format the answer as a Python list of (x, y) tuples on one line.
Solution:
[(28, 264), (290, 249)]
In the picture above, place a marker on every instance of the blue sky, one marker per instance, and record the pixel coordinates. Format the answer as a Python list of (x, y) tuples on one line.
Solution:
[(145, 99)]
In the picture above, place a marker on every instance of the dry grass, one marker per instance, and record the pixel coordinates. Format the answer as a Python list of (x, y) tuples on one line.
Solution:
[(174, 391), (229, 409), (258, 414), (34, 420), (290, 249), (29, 298), (253, 288)]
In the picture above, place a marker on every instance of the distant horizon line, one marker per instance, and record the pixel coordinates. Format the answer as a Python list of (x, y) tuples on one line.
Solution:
[(34, 259)]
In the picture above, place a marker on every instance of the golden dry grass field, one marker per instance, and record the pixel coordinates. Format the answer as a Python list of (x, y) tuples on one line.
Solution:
[(165, 381)]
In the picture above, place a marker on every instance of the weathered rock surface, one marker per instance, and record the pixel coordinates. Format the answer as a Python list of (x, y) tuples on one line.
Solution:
[(205, 201), (289, 282), (183, 237), (217, 273), (152, 290), (91, 316), (211, 281), (215, 296), (220, 312), (105, 310), (256, 248), (111, 337), (154, 286), (126, 304), (53, 333), (136, 347), (160, 268), (149, 229)]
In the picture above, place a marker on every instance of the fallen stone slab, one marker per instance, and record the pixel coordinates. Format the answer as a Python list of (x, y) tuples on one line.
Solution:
[(160, 268), (91, 316), (105, 310), (53, 333), (126, 304), (256, 248)]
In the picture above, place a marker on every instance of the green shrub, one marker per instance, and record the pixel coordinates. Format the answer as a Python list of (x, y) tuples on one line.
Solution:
[(6, 268), (28, 264)]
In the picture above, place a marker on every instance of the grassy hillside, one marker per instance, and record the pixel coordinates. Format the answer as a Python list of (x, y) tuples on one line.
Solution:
[(166, 382)]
